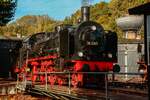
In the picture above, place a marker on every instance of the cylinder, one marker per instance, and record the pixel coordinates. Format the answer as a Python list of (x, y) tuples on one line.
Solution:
[(85, 11)]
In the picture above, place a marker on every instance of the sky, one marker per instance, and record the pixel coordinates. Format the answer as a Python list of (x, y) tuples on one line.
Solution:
[(56, 9)]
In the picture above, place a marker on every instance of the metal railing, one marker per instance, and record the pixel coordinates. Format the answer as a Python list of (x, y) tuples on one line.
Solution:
[(108, 77)]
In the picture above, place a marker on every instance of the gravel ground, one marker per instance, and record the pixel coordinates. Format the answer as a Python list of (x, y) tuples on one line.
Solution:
[(22, 97), (121, 96)]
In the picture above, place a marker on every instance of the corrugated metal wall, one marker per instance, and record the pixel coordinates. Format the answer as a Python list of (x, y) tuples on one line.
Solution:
[(130, 51)]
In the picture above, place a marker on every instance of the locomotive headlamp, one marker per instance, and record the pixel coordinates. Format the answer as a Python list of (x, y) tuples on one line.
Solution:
[(80, 54), (109, 55), (141, 70), (93, 28)]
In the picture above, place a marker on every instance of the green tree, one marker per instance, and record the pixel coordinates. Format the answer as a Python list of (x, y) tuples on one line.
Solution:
[(7, 10)]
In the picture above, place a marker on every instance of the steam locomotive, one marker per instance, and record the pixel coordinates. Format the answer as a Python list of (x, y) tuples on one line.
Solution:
[(86, 47)]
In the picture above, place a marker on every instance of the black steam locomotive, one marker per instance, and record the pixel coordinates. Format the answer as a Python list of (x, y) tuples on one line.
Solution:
[(87, 41), (86, 47)]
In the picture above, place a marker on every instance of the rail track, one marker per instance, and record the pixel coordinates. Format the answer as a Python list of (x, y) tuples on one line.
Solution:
[(129, 91), (54, 95), (134, 84), (61, 93)]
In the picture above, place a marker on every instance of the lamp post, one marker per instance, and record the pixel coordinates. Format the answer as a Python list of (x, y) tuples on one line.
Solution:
[(126, 62)]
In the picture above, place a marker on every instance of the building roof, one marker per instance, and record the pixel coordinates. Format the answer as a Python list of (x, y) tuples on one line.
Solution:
[(10, 38), (141, 9)]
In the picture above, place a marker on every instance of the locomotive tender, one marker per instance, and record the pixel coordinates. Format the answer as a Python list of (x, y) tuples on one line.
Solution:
[(86, 47)]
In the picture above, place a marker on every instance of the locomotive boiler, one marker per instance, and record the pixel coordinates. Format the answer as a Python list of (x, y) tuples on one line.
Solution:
[(85, 47)]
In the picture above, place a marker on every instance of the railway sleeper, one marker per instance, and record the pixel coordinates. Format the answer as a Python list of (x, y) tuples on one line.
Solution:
[(52, 94)]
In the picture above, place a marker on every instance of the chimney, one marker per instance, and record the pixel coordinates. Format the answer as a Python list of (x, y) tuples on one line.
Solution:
[(85, 10), (85, 13)]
